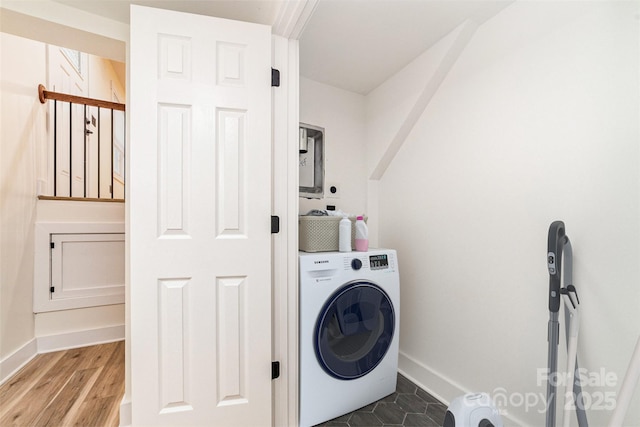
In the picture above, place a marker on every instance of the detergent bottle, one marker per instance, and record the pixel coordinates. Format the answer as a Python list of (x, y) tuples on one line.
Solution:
[(344, 235), (362, 235)]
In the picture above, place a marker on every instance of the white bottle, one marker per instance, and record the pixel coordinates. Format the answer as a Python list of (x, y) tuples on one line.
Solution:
[(362, 235), (344, 235)]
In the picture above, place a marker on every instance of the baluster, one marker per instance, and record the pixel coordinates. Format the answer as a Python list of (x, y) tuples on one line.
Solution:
[(99, 134), (124, 151), (70, 149), (84, 151), (55, 148), (112, 154)]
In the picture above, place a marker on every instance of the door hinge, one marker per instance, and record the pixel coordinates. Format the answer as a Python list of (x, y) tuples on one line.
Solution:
[(275, 370), (52, 289), (275, 77), (52, 244), (275, 224)]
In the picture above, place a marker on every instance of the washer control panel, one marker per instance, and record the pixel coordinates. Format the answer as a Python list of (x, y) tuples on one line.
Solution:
[(379, 261), (363, 261)]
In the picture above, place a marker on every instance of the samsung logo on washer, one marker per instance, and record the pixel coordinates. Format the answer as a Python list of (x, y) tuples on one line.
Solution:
[(323, 261)]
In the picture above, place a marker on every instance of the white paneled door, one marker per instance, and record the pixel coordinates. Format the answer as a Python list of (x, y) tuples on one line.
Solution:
[(199, 224)]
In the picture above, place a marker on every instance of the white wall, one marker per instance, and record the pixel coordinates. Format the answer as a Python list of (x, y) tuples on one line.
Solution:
[(22, 126), (342, 115), (105, 81), (537, 121), (393, 108)]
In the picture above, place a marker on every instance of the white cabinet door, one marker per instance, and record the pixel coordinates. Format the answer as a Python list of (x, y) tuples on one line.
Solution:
[(199, 197), (87, 269)]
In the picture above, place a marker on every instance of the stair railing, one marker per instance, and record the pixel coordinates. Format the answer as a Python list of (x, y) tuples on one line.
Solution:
[(87, 193)]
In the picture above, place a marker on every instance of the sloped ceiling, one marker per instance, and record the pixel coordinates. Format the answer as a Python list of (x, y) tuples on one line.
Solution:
[(351, 44), (358, 44)]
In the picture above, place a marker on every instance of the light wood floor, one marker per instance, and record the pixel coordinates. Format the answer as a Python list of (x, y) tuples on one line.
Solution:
[(78, 387)]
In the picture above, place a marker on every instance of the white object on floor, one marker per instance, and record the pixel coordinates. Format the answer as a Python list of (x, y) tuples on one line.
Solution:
[(472, 410)]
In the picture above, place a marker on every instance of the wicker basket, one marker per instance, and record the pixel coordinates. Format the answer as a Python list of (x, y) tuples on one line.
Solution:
[(321, 233)]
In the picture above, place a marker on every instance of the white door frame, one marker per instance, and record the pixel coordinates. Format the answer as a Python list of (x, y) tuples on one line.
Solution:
[(285, 244)]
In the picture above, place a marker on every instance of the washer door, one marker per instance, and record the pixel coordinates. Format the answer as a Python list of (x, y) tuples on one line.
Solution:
[(354, 330)]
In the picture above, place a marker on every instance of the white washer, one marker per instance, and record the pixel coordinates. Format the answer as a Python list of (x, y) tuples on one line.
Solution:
[(349, 331)]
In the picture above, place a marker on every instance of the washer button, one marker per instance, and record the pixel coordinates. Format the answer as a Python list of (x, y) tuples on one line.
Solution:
[(356, 264)]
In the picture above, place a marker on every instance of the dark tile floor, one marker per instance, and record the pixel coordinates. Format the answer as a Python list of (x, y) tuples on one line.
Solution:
[(408, 406)]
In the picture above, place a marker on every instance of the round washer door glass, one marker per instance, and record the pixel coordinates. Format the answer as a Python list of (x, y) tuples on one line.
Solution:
[(354, 330)]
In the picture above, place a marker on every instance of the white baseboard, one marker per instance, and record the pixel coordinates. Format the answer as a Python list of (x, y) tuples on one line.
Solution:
[(76, 339), (437, 384), (16, 360), (125, 412)]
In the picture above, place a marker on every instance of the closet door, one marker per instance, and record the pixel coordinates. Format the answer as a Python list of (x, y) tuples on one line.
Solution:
[(199, 224)]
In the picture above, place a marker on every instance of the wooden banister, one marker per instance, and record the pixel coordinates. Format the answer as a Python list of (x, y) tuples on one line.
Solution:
[(44, 94), (81, 151)]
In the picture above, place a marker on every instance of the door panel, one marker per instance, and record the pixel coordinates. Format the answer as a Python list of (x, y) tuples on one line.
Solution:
[(200, 242), (87, 265)]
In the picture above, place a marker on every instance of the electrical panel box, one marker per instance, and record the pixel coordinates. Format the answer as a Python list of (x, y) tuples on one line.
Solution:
[(311, 166)]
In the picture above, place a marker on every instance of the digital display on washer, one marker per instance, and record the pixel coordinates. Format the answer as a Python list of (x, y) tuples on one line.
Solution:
[(378, 262)]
